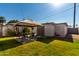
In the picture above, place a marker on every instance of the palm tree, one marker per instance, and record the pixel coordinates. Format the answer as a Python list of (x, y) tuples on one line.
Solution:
[(2, 20)]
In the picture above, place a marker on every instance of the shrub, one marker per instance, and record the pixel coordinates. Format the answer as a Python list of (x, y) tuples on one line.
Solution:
[(10, 32), (26, 31)]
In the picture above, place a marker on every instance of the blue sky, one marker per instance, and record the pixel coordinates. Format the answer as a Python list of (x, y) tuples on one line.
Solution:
[(39, 12)]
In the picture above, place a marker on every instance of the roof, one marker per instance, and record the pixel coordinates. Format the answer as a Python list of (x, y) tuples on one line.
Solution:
[(10, 24), (62, 23), (52, 23), (27, 23)]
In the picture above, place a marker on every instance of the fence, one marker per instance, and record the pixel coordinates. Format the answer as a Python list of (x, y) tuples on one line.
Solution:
[(73, 31)]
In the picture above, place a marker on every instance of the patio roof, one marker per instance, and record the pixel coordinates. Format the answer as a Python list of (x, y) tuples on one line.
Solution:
[(28, 23)]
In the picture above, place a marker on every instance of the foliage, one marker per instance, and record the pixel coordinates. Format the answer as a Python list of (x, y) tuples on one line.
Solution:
[(13, 21), (26, 31), (2, 19), (10, 32)]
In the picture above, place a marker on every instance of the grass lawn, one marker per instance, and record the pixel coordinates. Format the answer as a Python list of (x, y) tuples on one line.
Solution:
[(8, 43), (41, 47)]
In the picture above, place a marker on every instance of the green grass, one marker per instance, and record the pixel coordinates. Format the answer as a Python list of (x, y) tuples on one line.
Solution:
[(62, 48), (6, 38), (31, 49), (8, 43), (43, 47)]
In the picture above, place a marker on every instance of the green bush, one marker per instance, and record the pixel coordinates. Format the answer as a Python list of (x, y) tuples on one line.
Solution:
[(26, 31), (10, 32)]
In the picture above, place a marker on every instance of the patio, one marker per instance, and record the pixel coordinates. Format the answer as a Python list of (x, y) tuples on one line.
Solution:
[(29, 37)]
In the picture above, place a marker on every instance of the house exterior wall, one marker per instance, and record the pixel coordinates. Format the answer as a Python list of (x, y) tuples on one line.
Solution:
[(49, 30), (39, 30), (0, 31), (61, 30), (5, 28), (35, 30), (20, 29), (4, 31), (10, 27)]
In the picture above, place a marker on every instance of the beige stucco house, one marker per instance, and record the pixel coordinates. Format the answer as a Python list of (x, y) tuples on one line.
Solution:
[(18, 26), (10, 26)]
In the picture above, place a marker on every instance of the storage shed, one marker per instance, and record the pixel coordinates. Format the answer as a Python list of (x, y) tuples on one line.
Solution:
[(49, 29), (61, 29), (52, 29)]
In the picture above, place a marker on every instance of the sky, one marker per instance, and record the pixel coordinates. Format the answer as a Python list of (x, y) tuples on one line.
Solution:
[(40, 12)]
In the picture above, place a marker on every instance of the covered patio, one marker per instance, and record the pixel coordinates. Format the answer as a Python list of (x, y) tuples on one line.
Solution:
[(27, 24)]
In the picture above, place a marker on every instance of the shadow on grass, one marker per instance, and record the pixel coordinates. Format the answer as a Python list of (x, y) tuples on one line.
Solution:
[(7, 44), (50, 39), (46, 39)]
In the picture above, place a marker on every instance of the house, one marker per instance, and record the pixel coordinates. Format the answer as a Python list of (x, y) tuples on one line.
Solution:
[(10, 26), (18, 26)]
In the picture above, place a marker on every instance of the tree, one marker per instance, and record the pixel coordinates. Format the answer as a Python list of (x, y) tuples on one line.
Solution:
[(15, 28), (13, 21), (2, 20)]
